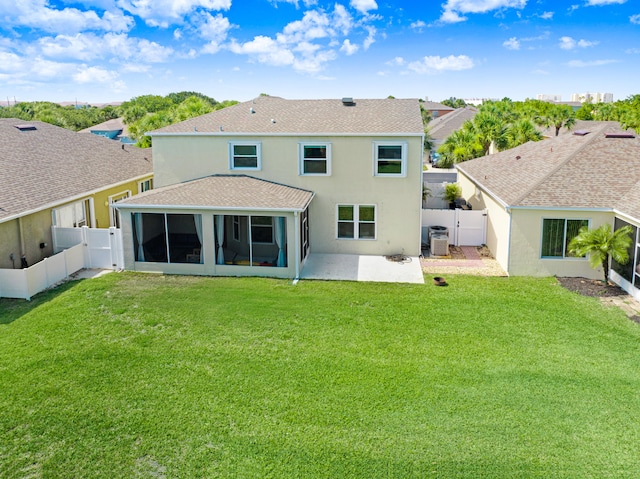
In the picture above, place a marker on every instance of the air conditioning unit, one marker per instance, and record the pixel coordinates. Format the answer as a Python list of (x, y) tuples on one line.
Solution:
[(440, 245)]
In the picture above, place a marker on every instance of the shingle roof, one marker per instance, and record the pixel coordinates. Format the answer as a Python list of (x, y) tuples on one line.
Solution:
[(568, 171), (273, 115), (49, 164), (224, 191), (441, 128), (109, 125)]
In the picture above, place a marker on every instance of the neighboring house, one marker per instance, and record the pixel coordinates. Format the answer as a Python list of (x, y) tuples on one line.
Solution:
[(436, 109), (114, 129), (53, 176), (440, 128), (539, 194), (252, 189)]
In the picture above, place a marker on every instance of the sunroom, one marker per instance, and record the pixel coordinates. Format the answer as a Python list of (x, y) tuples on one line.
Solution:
[(226, 225)]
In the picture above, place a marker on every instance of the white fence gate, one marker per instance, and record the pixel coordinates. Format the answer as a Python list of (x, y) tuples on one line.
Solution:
[(75, 249), (466, 227)]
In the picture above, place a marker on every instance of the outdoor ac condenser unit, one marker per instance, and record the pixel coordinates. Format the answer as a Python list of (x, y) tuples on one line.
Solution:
[(440, 245)]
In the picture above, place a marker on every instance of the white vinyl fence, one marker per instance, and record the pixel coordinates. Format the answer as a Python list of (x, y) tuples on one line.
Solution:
[(465, 227), (75, 248)]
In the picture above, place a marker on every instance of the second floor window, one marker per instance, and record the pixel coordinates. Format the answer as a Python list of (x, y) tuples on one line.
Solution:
[(245, 156), (389, 159), (315, 159)]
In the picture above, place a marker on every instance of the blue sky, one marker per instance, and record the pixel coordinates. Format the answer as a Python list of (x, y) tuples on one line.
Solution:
[(112, 50)]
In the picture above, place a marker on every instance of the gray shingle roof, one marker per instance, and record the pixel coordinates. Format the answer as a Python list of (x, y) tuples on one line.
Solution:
[(49, 164), (224, 191), (569, 171), (441, 128), (273, 115)]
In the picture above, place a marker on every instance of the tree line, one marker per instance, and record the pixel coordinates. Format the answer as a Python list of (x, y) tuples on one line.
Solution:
[(141, 114), (504, 124)]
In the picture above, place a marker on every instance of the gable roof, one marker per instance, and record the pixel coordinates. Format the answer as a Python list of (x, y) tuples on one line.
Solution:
[(590, 171), (224, 192), (109, 125), (441, 128), (272, 115), (44, 165)]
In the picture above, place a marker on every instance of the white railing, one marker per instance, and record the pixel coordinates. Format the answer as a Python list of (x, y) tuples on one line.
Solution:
[(76, 249)]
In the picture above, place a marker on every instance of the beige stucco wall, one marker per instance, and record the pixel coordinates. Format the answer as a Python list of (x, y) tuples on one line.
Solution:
[(497, 219), (397, 199), (526, 236)]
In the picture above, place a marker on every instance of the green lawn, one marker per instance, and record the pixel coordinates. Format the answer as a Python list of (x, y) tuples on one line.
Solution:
[(136, 376)]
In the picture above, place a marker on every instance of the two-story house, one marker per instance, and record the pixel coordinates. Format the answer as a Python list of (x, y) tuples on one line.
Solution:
[(254, 188)]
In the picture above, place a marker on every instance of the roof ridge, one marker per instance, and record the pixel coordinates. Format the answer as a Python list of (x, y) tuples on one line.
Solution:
[(590, 139)]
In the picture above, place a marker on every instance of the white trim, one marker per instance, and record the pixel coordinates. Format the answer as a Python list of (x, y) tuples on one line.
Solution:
[(113, 213), (301, 158), (297, 134), (356, 221), (142, 182), (138, 207), (403, 160), (258, 146)]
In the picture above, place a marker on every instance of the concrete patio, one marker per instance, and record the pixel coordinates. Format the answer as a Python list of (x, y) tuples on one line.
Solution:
[(351, 267)]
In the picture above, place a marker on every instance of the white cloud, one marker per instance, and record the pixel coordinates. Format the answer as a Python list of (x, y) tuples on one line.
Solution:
[(363, 6), (540, 72), (568, 43), (632, 51), (308, 44), (593, 63), (437, 64), (418, 25), (604, 2), (38, 15), (397, 61), (214, 28), (635, 19), (348, 48), (162, 13), (88, 46), (86, 74), (547, 15), (511, 44), (455, 9)]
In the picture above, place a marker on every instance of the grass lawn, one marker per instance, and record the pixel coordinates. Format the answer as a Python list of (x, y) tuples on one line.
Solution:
[(136, 376)]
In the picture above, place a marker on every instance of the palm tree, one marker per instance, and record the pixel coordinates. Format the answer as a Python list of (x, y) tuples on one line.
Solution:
[(461, 145), (602, 243), (521, 132), (490, 129)]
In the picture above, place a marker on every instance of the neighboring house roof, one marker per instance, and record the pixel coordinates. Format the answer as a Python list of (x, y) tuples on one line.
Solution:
[(224, 192), (42, 165), (580, 125), (435, 106), (115, 125), (593, 171), (272, 115), (441, 128)]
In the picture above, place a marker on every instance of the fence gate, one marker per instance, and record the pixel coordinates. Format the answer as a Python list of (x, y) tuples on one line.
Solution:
[(465, 227)]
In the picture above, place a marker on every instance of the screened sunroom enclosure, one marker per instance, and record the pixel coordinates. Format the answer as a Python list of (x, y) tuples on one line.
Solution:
[(243, 240), (266, 237)]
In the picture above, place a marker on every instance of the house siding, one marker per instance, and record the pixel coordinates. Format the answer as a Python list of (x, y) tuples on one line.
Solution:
[(398, 200), (526, 234)]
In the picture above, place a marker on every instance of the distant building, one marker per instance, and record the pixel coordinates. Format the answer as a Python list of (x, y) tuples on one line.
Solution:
[(553, 98), (592, 97), (478, 101)]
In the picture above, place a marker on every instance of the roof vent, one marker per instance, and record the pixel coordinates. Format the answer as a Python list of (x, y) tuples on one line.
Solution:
[(619, 134), (251, 110), (581, 132), (26, 127), (348, 101)]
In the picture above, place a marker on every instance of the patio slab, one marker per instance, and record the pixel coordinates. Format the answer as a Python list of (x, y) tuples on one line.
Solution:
[(351, 267)]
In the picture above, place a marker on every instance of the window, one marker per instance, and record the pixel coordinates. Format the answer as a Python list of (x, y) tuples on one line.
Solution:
[(167, 238), (315, 159), (356, 222), (145, 185), (114, 214), (262, 229), (73, 215), (244, 156), (389, 159), (236, 228), (556, 235)]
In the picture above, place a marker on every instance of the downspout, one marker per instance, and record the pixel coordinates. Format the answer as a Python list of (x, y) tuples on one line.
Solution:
[(510, 213), (21, 236), (296, 220)]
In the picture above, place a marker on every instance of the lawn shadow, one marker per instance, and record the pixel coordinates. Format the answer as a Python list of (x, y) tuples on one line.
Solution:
[(12, 309)]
